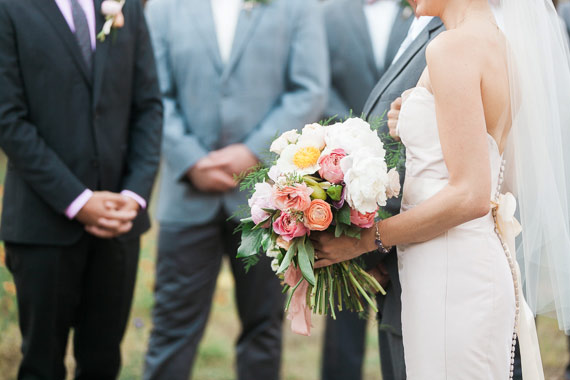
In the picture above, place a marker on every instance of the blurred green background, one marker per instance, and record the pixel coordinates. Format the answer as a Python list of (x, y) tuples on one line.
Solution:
[(302, 355)]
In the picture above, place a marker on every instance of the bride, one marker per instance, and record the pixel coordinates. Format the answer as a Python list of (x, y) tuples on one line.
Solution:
[(487, 116)]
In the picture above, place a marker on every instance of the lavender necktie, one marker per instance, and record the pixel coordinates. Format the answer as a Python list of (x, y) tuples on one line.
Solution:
[(82, 33)]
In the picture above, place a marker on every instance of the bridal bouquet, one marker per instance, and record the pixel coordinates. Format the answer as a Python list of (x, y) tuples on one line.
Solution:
[(326, 178)]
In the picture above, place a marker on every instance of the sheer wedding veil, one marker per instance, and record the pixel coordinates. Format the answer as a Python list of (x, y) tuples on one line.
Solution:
[(538, 151)]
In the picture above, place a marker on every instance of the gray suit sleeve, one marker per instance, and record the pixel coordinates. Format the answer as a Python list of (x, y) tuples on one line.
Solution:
[(181, 148), (308, 80)]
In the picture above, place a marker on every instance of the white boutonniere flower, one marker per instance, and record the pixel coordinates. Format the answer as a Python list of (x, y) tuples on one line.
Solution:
[(248, 5), (113, 12)]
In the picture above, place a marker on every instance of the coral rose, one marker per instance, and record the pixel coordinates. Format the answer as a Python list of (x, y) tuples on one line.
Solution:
[(318, 216), (330, 166), (288, 227), (297, 197), (362, 220)]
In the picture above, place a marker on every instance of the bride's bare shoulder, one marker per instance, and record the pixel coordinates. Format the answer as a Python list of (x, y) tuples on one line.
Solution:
[(454, 65), (456, 44)]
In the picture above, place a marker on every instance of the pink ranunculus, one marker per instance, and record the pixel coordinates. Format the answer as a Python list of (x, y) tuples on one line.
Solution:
[(111, 7), (261, 199), (362, 220), (297, 197), (330, 166), (288, 227)]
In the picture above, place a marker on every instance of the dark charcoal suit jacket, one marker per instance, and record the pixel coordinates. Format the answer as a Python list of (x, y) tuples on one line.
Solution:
[(401, 76), (64, 129)]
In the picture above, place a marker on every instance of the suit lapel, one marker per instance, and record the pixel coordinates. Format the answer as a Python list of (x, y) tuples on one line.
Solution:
[(400, 65), (363, 34), (248, 20), (398, 34), (101, 51), (203, 20), (51, 11)]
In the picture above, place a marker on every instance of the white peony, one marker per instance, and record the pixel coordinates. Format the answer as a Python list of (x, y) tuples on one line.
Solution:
[(366, 178), (394, 187), (352, 135), (280, 143), (313, 134), (301, 158)]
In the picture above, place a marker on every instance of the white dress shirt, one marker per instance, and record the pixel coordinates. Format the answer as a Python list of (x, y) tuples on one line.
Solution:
[(418, 25), (380, 16), (226, 14)]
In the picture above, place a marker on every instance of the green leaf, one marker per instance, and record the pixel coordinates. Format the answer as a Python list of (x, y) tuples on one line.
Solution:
[(318, 192), (335, 192), (251, 240), (288, 257), (263, 222), (266, 240), (310, 250), (344, 215), (250, 262), (383, 214), (305, 264)]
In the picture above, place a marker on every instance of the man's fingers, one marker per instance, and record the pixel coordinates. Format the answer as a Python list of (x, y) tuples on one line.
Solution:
[(396, 104), (212, 161), (124, 228), (109, 224), (123, 216), (100, 232), (225, 181)]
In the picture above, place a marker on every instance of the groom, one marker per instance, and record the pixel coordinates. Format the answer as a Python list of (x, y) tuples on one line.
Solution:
[(80, 123), (403, 74)]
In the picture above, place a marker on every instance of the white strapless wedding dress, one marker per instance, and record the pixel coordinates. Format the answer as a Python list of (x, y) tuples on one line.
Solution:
[(458, 298)]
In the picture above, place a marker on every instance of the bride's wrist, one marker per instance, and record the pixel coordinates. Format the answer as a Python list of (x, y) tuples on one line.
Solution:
[(379, 241)]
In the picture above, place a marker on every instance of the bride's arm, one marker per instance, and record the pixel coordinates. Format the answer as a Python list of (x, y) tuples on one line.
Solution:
[(455, 73), (455, 76)]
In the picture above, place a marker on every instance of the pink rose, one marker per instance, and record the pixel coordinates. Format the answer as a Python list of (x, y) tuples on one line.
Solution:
[(261, 199), (297, 197), (330, 166), (362, 220), (288, 227)]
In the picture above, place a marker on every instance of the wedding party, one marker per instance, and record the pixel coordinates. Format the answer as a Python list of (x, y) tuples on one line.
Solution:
[(285, 189)]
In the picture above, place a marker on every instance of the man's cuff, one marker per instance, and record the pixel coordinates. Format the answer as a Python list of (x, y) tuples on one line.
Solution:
[(137, 198), (76, 206)]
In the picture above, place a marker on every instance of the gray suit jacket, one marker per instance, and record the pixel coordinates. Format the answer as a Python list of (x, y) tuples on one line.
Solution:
[(276, 79), (402, 75), (353, 69)]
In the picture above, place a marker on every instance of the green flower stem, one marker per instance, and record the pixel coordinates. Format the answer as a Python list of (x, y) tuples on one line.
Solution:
[(362, 291)]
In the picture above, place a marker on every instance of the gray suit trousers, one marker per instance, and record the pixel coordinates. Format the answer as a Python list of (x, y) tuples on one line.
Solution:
[(188, 264)]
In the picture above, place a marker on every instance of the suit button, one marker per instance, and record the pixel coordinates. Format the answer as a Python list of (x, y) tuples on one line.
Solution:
[(95, 163)]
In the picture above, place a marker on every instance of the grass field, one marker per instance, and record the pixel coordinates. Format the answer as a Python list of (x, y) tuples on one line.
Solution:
[(216, 358)]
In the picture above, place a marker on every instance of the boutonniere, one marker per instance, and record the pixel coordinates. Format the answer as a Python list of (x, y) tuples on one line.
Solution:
[(248, 5), (113, 12)]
